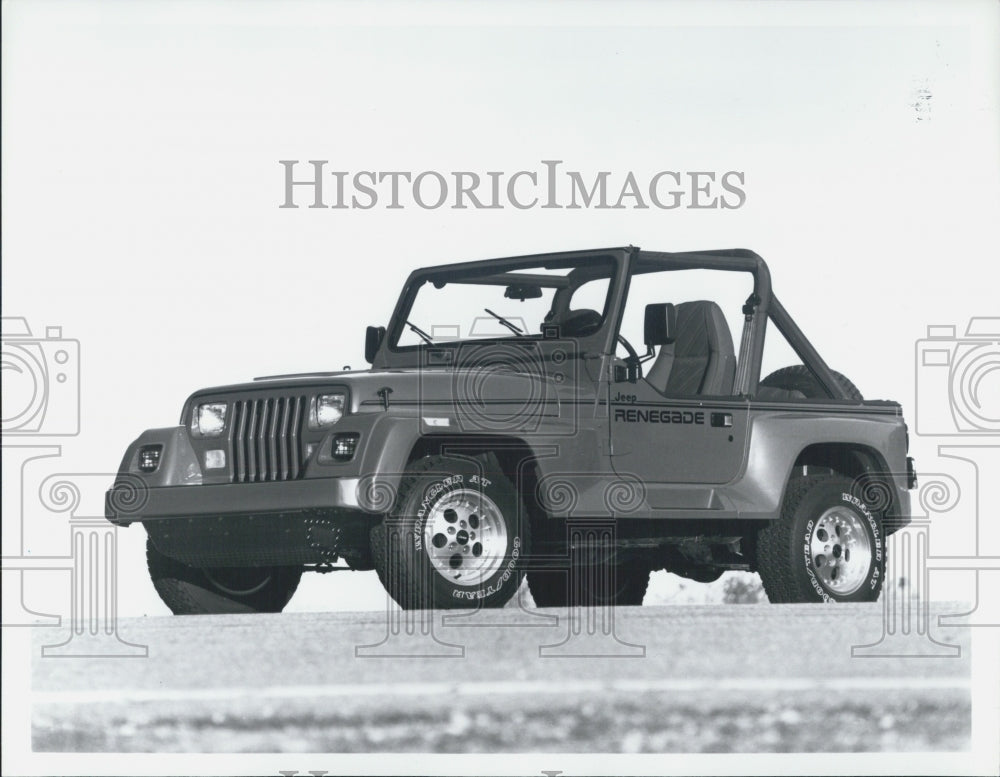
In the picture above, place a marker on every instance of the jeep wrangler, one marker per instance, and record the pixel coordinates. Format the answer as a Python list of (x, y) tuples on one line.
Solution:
[(580, 418)]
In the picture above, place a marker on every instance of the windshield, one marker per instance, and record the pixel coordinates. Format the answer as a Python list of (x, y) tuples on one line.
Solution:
[(484, 305)]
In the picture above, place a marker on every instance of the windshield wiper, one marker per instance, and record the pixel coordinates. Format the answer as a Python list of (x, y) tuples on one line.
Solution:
[(512, 327), (421, 333)]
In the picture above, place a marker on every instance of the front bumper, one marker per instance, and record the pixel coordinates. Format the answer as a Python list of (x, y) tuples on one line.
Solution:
[(207, 517), (130, 499), (285, 523)]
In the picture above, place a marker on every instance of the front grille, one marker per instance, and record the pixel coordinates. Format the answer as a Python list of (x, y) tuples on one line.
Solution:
[(266, 440)]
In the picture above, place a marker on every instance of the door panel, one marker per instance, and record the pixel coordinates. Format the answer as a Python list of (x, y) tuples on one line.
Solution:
[(683, 440)]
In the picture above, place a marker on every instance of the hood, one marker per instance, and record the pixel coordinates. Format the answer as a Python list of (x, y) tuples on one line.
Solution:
[(490, 384)]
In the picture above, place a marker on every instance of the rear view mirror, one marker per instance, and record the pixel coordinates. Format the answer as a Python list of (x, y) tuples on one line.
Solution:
[(373, 341), (660, 325), (523, 292)]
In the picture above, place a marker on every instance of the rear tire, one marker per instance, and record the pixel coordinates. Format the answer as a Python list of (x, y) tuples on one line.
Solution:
[(192, 591), (826, 547), (601, 584)]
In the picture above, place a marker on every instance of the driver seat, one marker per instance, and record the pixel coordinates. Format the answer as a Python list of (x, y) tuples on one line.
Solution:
[(701, 360)]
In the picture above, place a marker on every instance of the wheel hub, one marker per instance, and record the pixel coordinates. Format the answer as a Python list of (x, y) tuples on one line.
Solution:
[(465, 537), (840, 551)]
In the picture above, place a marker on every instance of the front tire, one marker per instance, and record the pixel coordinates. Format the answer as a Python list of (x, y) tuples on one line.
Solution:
[(826, 547), (192, 591), (456, 538)]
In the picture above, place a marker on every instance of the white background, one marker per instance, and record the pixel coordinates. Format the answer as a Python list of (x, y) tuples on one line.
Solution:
[(141, 181)]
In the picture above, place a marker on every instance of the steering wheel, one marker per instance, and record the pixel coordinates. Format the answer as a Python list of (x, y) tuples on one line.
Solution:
[(633, 355)]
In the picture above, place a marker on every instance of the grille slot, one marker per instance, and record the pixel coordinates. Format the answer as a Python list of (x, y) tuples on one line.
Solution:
[(266, 440)]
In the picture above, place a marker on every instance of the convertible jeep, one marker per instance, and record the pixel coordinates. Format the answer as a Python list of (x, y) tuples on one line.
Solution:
[(579, 418)]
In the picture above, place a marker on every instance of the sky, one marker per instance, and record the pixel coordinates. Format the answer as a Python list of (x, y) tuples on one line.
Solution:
[(141, 188)]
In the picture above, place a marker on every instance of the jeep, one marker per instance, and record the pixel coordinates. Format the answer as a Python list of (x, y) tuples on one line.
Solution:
[(579, 418)]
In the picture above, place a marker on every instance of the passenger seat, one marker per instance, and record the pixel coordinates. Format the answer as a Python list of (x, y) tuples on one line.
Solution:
[(701, 359)]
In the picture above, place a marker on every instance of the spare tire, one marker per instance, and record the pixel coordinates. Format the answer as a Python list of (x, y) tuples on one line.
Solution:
[(799, 378)]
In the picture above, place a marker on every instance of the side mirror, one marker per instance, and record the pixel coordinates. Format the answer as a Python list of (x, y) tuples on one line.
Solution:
[(660, 325), (374, 336)]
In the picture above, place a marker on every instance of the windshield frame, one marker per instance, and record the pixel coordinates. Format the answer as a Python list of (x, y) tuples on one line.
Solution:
[(767, 307), (494, 272)]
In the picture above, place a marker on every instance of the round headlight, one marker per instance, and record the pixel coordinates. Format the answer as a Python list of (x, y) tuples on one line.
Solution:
[(210, 419), (326, 409)]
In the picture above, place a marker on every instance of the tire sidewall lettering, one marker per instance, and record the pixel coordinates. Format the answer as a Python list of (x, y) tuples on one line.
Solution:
[(817, 586), (421, 508), (873, 524), (874, 575), (430, 496), (493, 588)]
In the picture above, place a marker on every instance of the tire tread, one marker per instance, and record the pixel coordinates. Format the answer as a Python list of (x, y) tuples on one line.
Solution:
[(777, 560), (776, 564)]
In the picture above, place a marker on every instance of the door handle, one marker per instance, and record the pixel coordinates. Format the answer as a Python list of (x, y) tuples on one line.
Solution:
[(725, 420)]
